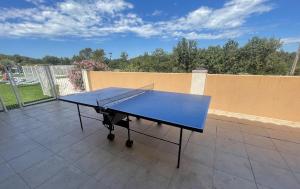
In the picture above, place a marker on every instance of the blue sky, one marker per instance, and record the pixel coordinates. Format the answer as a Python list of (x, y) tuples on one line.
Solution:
[(62, 27)]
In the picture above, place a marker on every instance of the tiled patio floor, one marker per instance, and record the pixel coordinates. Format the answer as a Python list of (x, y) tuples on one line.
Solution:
[(42, 146)]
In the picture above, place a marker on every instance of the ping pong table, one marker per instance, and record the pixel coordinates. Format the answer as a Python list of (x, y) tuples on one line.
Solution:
[(184, 111)]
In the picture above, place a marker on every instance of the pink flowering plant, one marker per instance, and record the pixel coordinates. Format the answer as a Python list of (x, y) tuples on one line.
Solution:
[(75, 75)]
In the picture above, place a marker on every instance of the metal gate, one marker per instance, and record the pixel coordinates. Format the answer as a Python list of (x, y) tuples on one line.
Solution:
[(27, 85), (22, 87), (67, 79), (2, 106)]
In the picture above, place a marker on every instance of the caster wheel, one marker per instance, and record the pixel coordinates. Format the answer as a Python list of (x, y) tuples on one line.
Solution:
[(129, 143), (111, 137)]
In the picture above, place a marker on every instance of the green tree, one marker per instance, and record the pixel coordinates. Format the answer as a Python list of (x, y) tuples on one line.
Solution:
[(231, 57), (185, 54), (86, 54), (51, 60), (65, 61), (98, 55), (256, 53), (6, 63), (124, 56), (211, 59)]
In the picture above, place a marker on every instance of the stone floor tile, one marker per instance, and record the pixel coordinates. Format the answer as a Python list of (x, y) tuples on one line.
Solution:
[(229, 126), (170, 148), (43, 171), (93, 184), (30, 158), (96, 139), (200, 154), (45, 134), (145, 179), (262, 187), (231, 146), (284, 135), (67, 178), (293, 162), (76, 151), (61, 143), (13, 139), (163, 169), (192, 175), (266, 156), (254, 130), (93, 161), (276, 178), (259, 141), (168, 159), (210, 127), (116, 146), (5, 171), (87, 131), (117, 173), (225, 181), (203, 139), (173, 134), (234, 165), (297, 176), (212, 122), (13, 182), (287, 147), (230, 134), (142, 154), (149, 141), (13, 150)]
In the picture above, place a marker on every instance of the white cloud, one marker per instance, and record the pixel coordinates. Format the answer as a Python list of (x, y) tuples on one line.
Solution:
[(98, 18), (291, 40), (209, 23), (156, 13), (35, 1)]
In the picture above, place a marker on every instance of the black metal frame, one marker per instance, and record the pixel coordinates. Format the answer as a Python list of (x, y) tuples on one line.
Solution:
[(125, 124)]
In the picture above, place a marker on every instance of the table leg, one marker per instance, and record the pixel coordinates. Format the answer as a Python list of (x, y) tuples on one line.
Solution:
[(179, 150), (79, 116)]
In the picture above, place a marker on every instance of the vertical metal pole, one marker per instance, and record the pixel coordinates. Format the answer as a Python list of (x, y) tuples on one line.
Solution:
[(13, 86), (51, 81), (179, 150), (79, 116), (2, 104)]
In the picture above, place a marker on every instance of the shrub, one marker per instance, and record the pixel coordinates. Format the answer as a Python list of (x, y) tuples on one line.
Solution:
[(75, 75)]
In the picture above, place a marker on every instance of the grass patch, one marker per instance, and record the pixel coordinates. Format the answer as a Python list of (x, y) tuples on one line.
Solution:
[(29, 93)]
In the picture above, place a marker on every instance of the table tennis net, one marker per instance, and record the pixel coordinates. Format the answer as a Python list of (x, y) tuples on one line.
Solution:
[(124, 96)]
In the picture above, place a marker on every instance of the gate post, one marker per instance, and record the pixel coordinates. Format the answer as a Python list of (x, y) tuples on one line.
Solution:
[(13, 86), (51, 81), (2, 104)]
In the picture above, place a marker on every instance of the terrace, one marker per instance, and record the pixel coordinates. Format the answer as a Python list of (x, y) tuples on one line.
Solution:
[(42, 146)]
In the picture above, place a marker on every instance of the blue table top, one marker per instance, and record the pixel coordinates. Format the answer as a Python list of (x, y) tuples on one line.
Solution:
[(177, 109)]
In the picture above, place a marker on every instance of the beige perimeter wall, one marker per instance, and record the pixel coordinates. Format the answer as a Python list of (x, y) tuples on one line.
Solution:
[(173, 82), (268, 96)]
